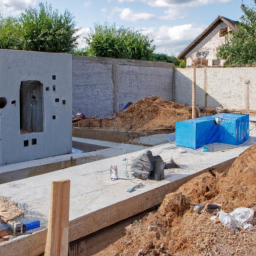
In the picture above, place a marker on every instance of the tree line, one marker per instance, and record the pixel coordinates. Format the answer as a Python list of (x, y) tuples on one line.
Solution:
[(47, 30)]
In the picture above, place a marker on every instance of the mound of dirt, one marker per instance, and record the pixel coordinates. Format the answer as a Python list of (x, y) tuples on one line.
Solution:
[(175, 229), (148, 114)]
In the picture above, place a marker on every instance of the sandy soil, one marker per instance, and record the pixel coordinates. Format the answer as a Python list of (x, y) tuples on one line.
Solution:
[(149, 114)]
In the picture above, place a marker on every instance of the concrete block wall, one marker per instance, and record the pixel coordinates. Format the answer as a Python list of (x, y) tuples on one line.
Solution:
[(103, 86), (52, 71), (231, 88)]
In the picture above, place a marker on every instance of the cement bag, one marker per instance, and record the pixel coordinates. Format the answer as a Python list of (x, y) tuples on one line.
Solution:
[(143, 165)]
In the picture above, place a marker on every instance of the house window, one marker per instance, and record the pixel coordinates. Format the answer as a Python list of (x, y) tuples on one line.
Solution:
[(223, 32)]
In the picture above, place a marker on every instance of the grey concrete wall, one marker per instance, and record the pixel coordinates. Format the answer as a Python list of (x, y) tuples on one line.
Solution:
[(17, 66), (103, 86), (225, 87)]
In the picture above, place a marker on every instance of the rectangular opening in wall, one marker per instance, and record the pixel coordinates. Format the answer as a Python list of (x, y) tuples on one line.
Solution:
[(54, 117), (54, 88), (53, 77), (47, 88), (25, 143), (64, 102), (14, 102), (57, 100), (31, 106), (34, 141)]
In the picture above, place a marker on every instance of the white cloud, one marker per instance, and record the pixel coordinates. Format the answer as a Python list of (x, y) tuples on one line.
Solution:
[(128, 15), (87, 4), (104, 10), (82, 33), (14, 7), (176, 7), (172, 40)]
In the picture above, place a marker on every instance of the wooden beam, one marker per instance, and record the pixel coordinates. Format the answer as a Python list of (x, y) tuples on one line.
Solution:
[(58, 223), (194, 111)]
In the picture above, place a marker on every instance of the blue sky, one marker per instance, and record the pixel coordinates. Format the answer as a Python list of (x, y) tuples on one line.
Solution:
[(173, 24)]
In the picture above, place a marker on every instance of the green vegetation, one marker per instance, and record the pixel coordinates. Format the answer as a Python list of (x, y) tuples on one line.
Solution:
[(10, 33), (240, 49), (124, 43), (46, 30), (39, 30), (161, 57)]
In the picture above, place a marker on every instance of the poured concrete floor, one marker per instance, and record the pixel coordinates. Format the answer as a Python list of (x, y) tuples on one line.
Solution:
[(96, 201)]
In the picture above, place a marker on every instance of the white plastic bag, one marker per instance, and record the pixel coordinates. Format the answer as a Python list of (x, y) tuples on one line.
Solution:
[(239, 218)]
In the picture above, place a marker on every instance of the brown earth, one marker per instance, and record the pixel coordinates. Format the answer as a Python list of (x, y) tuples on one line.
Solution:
[(148, 114), (175, 229)]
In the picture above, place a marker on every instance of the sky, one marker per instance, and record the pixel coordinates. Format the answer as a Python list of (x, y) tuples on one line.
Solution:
[(173, 24)]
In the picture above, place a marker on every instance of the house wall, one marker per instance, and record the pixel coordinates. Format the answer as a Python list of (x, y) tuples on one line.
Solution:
[(231, 88), (103, 86), (18, 66), (209, 43)]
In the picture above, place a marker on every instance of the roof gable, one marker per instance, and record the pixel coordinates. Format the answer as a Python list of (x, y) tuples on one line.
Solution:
[(215, 23)]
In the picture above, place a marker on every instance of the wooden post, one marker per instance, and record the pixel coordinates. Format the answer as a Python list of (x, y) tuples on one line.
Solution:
[(194, 111), (58, 223)]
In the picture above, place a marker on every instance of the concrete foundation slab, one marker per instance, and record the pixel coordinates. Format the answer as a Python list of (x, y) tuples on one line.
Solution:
[(96, 201)]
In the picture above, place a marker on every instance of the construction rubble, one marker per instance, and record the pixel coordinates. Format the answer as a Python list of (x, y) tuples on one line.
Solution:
[(212, 214)]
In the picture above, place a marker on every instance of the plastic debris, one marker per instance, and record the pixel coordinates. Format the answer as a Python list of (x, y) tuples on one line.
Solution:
[(237, 219), (198, 208), (205, 149), (113, 172), (126, 171), (134, 187), (152, 228), (31, 224)]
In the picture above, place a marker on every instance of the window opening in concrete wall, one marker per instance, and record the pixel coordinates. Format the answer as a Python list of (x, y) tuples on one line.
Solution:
[(64, 102), (3, 102), (53, 77), (53, 117), (57, 100), (34, 141), (25, 143), (47, 88), (54, 88), (14, 102), (31, 106)]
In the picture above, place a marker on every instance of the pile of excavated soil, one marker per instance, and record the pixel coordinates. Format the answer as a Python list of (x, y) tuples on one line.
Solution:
[(175, 229), (150, 114)]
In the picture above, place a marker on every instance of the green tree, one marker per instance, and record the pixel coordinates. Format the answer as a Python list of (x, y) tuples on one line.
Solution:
[(10, 33), (240, 48), (48, 31), (125, 43), (42, 29), (161, 57)]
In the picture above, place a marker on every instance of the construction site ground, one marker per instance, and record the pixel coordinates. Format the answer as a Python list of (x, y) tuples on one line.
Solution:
[(96, 202)]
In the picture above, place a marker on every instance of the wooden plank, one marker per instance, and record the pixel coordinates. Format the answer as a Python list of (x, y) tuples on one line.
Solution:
[(58, 222)]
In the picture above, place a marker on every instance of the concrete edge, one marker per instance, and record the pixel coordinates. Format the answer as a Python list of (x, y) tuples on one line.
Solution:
[(33, 245)]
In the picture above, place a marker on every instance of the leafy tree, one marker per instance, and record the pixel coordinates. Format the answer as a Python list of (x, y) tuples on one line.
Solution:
[(39, 30), (240, 49), (125, 43), (161, 57), (48, 31), (10, 33)]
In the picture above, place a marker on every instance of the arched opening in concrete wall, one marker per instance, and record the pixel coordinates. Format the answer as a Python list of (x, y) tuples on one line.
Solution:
[(31, 106)]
